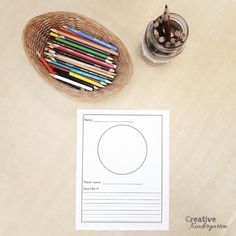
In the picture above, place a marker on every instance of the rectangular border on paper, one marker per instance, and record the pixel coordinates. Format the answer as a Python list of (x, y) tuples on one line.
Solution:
[(152, 225)]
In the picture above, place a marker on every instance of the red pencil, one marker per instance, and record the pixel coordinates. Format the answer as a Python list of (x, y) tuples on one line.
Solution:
[(83, 56), (60, 68), (71, 33), (45, 63)]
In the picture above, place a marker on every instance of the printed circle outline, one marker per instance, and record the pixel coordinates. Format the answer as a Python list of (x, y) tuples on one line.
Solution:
[(143, 159)]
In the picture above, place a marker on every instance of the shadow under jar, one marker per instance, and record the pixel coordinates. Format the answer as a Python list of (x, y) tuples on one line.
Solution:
[(155, 52)]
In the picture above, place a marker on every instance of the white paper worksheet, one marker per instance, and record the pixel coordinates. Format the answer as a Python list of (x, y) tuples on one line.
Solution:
[(122, 179)]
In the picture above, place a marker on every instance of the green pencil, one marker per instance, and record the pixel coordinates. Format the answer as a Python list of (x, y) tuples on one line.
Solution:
[(75, 45)]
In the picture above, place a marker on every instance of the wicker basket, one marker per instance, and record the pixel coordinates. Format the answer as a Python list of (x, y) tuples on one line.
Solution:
[(36, 35)]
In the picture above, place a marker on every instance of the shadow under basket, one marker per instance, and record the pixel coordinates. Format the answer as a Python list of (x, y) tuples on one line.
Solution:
[(36, 35)]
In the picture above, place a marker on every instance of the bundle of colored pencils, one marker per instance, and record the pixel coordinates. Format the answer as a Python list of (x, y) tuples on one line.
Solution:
[(78, 59), (166, 32)]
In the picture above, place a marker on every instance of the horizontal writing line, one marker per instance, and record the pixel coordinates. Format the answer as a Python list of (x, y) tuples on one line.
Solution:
[(126, 192), (113, 203), (130, 199), (128, 121), (122, 184), (123, 208), (120, 210), (122, 115), (102, 221), (123, 214)]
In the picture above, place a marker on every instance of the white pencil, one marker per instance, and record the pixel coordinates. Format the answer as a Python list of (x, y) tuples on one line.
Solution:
[(58, 77)]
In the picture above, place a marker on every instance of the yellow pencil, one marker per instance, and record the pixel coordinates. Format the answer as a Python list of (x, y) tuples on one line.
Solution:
[(80, 77), (54, 35)]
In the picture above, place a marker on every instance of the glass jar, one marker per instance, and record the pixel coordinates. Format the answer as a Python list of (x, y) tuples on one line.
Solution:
[(155, 52)]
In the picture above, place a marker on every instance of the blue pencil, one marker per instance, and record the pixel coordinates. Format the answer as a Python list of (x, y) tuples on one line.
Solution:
[(80, 72), (90, 72), (80, 33)]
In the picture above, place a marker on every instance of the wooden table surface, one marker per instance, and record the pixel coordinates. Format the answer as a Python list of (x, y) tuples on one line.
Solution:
[(38, 124)]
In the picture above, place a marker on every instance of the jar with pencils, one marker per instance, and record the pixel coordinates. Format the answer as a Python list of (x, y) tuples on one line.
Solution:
[(164, 38)]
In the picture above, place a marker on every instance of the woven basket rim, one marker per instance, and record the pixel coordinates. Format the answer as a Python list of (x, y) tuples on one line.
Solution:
[(81, 95)]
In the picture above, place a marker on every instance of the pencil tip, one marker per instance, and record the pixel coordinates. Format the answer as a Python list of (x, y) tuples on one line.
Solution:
[(37, 52)]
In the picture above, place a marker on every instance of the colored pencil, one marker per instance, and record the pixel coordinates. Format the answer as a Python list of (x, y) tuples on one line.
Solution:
[(73, 34), (65, 73), (56, 50), (79, 68), (89, 37), (63, 29), (71, 85), (78, 54), (75, 45), (77, 63), (58, 77), (108, 60), (80, 43), (159, 27), (81, 64), (68, 68), (80, 77), (73, 40), (45, 63), (166, 23), (169, 37), (80, 40), (89, 80)]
